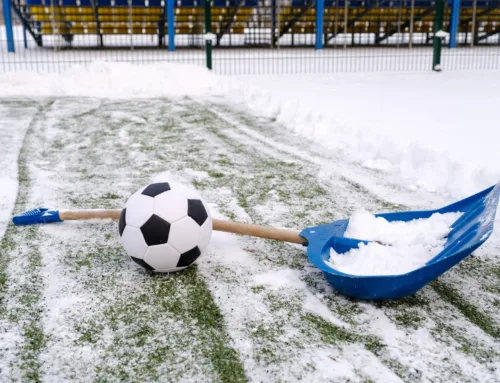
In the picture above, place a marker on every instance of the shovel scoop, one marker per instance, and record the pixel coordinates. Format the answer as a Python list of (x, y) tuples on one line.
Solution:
[(468, 232)]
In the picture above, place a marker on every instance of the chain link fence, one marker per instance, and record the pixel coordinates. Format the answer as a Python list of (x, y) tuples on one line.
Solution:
[(252, 36)]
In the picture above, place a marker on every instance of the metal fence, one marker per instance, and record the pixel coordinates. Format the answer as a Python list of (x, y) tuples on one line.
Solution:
[(253, 36)]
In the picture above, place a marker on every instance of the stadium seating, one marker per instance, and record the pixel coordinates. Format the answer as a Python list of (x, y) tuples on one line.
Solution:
[(148, 17), (71, 17)]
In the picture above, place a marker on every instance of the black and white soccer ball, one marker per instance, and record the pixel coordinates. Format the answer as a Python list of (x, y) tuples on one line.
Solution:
[(165, 227)]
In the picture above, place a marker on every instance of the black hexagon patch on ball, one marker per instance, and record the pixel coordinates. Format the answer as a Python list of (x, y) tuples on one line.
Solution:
[(154, 189), (155, 231), (197, 211), (122, 223), (189, 257)]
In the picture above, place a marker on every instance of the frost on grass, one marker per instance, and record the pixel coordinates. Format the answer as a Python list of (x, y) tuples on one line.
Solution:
[(252, 309), (398, 247), (284, 173), (99, 315), (21, 283)]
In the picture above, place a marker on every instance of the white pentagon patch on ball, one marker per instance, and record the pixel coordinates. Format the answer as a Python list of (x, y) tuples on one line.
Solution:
[(139, 209), (165, 227), (133, 242), (185, 234)]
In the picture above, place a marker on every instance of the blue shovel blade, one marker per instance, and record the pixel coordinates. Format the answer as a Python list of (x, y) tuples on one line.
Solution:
[(469, 232)]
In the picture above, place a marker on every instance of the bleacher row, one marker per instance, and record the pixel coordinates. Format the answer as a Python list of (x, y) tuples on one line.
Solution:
[(76, 17), (379, 19), (71, 17), (255, 3)]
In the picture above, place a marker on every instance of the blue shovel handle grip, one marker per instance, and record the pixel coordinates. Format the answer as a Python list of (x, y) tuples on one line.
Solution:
[(36, 216)]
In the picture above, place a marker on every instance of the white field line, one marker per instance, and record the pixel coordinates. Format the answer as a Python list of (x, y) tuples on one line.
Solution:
[(13, 126), (14, 122)]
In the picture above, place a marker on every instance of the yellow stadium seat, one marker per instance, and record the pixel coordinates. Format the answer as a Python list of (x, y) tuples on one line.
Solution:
[(55, 28), (83, 28)]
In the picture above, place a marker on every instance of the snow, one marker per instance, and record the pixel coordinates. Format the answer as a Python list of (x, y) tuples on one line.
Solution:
[(10, 145), (290, 279), (435, 141), (364, 225), (113, 80), (241, 306), (434, 132), (403, 247), (200, 126)]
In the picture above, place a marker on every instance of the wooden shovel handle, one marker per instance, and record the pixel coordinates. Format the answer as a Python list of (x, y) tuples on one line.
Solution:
[(258, 231), (218, 225), (72, 215)]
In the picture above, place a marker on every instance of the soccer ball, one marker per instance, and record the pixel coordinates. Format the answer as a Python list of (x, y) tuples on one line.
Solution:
[(165, 227)]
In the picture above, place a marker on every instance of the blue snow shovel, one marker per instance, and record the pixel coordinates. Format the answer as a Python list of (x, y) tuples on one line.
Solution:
[(469, 232)]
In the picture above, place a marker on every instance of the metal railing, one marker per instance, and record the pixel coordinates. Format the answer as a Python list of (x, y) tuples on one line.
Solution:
[(253, 36)]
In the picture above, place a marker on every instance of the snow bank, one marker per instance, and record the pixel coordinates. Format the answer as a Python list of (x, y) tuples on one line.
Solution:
[(113, 80), (406, 246), (435, 132)]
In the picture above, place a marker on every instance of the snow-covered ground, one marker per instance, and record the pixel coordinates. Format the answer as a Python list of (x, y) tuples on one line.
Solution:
[(259, 150), (12, 130), (437, 132), (423, 131)]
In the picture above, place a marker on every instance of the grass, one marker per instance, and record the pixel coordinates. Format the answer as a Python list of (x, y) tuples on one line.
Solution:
[(409, 319), (410, 313), (7, 245), (183, 299), (329, 332), (335, 335), (215, 174), (23, 307), (194, 308), (96, 264), (145, 327), (467, 309)]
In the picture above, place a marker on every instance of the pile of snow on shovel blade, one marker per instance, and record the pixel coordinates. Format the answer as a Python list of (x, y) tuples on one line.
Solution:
[(403, 247)]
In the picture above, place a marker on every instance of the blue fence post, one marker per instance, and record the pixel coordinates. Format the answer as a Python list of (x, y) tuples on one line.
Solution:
[(320, 13), (171, 25), (7, 16), (455, 15)]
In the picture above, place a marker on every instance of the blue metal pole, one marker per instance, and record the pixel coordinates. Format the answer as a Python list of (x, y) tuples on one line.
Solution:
[(7, 15), (320, 13), (455, 15), (171, 25)]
